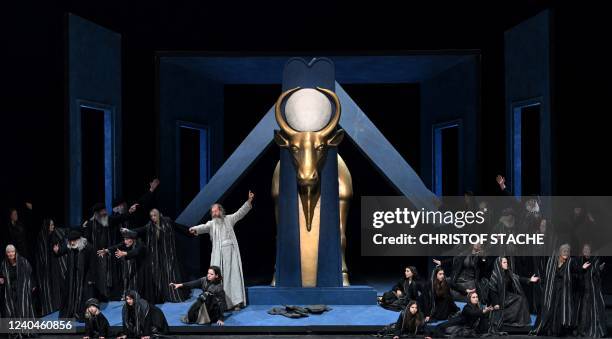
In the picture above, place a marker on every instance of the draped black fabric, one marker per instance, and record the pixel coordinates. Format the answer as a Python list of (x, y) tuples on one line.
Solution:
[(212, 297), (162, 265), (142, 318), (591, 306), (18, 236), (81, 261), (506, 291), (50, 271), (17, 288), (410, 290), (97, 326), (558, 313), (470, 323), (440, 304), (466, 274), (107, 277), (133, 265)]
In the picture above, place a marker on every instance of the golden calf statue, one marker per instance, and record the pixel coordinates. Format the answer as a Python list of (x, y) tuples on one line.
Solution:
[(308, 150)]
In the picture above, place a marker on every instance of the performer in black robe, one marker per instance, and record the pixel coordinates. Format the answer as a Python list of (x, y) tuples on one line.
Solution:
[(467, 270), (410, 321), (471, 322), (506, 294), (18, 234), (51, 269), (81, 261), (16, 278), (408, 288), (440, 304), (131, 256), (102, 231), (592, 320), (211, 304), (96, 324), (162, 261), (141, 318), (559, 307)]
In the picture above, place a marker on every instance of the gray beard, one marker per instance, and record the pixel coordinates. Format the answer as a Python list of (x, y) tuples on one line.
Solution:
[(102, 221), (80, 244)]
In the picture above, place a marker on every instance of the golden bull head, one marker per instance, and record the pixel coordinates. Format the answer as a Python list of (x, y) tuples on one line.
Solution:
[(308, 150)]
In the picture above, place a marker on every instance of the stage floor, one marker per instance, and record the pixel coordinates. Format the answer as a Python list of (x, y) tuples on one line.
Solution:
[(255, 318)]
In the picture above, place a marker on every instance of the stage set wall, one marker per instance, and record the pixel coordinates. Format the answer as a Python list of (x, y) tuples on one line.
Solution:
[(191, 89)]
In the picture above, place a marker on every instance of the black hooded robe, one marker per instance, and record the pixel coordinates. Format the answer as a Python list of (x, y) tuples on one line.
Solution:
[(440, 304), (558, 313), (411, 290), (17, 288), (132, 265), (107, 270), (162, 262), (470, 323), (211, 301), (592, 320), (97, 326), (142, 319), (506, 291), (51, 270), (78, 288)]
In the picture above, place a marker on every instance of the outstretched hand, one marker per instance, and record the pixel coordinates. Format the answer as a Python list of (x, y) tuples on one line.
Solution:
[(251, 196)]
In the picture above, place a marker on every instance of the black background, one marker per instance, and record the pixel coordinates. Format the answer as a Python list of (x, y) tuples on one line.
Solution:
[(32, 132)]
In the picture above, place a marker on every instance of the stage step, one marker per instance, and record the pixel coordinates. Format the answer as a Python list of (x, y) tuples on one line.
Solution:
[(351, 295)]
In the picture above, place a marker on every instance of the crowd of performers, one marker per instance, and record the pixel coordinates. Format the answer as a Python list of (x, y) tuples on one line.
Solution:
[(563, 290), (125, 255)]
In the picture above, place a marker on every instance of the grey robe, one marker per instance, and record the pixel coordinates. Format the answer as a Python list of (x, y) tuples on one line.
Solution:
[(226, 255)]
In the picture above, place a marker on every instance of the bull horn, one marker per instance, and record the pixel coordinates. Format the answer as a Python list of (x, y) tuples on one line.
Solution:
[(279, 116), (333, 122)]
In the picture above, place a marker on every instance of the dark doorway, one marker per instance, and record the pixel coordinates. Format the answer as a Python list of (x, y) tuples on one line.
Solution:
[(450, 161), (93, 158), (193, 162), (530, 150), (447, 159)]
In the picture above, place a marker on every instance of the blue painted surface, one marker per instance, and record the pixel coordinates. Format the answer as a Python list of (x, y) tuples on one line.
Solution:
[(527, 49), (367, 69), (350, 295), (94, 80), (257, 315)]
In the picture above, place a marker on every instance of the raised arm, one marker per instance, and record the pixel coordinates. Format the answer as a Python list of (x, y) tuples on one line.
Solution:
[(243, 210)]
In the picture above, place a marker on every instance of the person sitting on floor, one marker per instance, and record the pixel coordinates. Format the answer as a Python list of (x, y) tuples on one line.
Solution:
[(96, 325), (141, 319), (210, 305)]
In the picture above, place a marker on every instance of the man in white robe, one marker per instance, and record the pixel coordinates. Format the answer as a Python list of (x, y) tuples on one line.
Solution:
[(225, 251)]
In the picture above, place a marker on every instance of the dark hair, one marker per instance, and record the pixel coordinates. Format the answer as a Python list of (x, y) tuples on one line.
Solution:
[(217, 271), (440, 288), (414, 271), (46, 223), (469, 297), (412, 322)]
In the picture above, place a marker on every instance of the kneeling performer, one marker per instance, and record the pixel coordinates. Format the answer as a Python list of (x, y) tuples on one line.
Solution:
[(209, 306)]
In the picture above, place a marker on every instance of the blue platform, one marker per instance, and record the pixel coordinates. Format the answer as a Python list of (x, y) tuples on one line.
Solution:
[(350, 295), (255, 318)]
